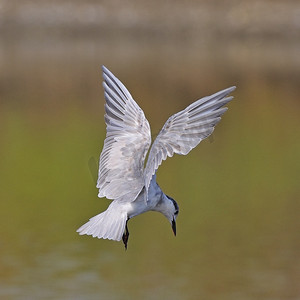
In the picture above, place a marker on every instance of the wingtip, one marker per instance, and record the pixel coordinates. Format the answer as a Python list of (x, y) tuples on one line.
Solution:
[(104, 69), (108, 75), (226, 92), (231, 89)]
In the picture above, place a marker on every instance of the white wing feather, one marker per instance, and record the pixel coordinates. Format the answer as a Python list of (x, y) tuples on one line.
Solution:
[(127, 141), (186, 129)]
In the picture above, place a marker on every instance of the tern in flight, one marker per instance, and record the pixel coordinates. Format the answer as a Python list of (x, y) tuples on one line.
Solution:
[(122, 176)]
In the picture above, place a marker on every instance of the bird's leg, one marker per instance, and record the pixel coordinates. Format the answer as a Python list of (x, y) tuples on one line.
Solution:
[(125, 235)]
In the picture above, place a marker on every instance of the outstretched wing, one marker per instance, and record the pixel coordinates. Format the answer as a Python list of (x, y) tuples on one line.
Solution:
[(127, 141), (185, 130)]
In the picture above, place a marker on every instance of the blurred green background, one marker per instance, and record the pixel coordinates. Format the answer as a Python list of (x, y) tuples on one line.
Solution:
[(238, 192)]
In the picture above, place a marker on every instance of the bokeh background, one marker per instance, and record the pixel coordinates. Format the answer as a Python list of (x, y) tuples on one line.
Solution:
[(239, 221)]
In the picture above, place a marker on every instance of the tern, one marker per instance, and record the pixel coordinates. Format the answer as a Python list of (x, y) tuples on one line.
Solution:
[(123, 177)]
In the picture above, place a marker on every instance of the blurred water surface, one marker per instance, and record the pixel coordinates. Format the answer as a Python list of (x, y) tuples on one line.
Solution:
[(238, 192)]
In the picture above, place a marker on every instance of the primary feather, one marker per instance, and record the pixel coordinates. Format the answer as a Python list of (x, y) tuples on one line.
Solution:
[(186, 129), (127, 141)]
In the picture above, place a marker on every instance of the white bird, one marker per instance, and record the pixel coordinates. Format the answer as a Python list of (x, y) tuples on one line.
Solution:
[(122, 176)]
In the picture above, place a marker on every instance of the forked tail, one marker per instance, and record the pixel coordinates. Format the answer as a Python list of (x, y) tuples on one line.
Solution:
[(108, 225)]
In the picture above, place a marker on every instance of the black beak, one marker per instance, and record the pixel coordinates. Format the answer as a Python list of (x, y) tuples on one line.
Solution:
[(174, 226)]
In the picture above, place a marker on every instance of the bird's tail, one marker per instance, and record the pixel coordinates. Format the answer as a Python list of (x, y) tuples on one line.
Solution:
[(108, 225)]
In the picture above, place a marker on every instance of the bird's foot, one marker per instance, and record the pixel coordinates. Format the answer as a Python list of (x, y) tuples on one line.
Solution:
[(125, 239), (125, 236)]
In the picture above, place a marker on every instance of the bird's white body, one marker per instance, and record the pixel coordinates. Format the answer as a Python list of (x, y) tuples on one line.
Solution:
[(122, 175), (111, 223)]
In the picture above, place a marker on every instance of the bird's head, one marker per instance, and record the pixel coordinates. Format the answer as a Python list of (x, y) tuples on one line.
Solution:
[(171, 212)]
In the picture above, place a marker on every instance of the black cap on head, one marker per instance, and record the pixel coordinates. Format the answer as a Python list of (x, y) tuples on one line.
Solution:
[(175, 205)]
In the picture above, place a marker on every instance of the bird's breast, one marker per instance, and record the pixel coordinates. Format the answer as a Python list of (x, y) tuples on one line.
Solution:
[(140, 205)]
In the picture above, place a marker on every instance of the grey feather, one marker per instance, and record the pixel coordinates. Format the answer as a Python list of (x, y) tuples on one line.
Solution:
[(127, 141), (186, 129)]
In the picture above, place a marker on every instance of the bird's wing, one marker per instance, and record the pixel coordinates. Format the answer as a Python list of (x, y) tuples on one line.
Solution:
[(186, 129), (127, 141)]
